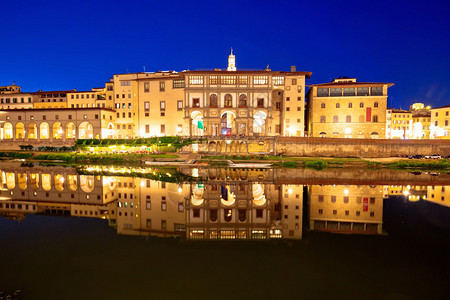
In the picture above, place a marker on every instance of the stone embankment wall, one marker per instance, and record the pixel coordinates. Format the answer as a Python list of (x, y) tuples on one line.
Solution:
[(318, 147), (299, 146), (15, 145)]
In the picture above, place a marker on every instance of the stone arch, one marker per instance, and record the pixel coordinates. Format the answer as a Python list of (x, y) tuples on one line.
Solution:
[(10, 180), (59, 182), (8, 131), (259, 122), (197, 123), (70, 130), (57, 131), (72, 182), (227, 123), (44, 131), (85, 130), (22, 181), (374, 135), (212, 147), (32, 130), (46, 182), (323, 134), (243, 147), (34, 181), (87, 183), (20, 131)]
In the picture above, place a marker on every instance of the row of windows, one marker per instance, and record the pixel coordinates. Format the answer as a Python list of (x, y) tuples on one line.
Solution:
[(49, 100), (446, 114), (176, 84), (348, 92), (345, 199), (213, 101), (348, 119), (162, 105), (232, 79), (350, 105), (78, 96), (402, 116), (228, 79), (14, 100), (445, 123), (52, 95), (357, 213), (103, 105), (19, 206)]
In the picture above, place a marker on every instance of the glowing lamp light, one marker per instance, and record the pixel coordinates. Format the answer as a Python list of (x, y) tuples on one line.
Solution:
[(406, 193), (290, 191), (346, 191), (348, 130), (180, 190)]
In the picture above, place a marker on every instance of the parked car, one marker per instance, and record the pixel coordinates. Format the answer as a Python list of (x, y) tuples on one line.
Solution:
[(433, 156), (415, 157)]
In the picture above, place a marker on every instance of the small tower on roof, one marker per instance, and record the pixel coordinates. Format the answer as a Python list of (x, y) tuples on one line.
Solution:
[(231, 62)]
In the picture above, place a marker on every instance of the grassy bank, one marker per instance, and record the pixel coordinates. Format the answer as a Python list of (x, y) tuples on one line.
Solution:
[(88, 157), (441, 164)]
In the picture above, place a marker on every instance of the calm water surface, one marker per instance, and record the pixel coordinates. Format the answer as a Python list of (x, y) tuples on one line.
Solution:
[(69, 236)]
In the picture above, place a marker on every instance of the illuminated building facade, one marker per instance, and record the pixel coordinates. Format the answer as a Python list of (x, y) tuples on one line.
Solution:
[(10, 89), (17, 100), (50, 99), (148, 104), (87, 99), (399, 124), (345, 108), (440, 122), (56, 124), (245, 103)]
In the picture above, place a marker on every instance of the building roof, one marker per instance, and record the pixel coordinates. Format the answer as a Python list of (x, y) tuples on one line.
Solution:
[(445, 106), (398, 110), (350, 84), (51, 92)]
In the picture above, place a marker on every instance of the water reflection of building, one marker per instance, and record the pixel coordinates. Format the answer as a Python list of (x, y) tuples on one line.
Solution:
[(341, 208), (411, 192), (239, 210), (148, 207), (439, 194), (55, 192)]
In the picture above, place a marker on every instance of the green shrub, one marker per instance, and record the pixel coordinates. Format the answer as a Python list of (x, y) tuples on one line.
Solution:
[(316, 164)]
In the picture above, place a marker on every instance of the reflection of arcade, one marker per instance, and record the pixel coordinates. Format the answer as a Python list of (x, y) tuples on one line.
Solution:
[(52, 193), (355, 209), (218, 175), (244, 211)]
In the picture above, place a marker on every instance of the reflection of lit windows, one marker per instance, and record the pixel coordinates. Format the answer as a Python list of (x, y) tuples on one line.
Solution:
[(163, 206), (148, 205)]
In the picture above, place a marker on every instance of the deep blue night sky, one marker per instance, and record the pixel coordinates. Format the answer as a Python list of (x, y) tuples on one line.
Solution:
[(53, 45)]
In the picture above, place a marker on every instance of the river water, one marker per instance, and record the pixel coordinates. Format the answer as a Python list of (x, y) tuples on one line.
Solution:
[(212, 234)]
